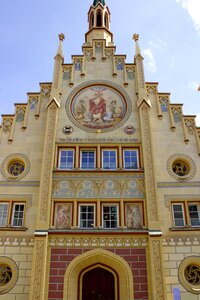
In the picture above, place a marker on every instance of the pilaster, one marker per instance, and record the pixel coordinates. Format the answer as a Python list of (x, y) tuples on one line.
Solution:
[(39, 277), (155, 273), (47, 166)]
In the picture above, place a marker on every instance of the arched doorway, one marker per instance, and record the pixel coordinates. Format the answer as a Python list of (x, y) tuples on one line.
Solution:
[(92, 259), (98, 284)]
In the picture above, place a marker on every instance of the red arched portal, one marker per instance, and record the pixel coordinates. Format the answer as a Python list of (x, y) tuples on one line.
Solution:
[(98, 284)]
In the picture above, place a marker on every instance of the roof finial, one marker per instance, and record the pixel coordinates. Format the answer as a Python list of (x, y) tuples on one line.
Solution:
[(61, 39), (61, 36), (137, 47)]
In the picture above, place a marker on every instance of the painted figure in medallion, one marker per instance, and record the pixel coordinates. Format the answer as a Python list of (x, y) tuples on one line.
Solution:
[(98, 107)]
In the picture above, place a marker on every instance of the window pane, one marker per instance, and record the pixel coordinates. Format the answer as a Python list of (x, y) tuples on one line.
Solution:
[(178, 215), (3, 213), (194, 214), (109, 160), (87, 160), (18, 215), (87, 216), (66, 161), (130, 159), (110, 217)]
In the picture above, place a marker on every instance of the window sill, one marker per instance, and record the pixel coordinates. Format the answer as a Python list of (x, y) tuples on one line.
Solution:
[(98, 230), (10, 228), (185, 228), (99, 170)]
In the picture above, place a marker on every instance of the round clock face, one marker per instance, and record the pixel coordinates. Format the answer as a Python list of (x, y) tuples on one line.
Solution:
[(97, 107)]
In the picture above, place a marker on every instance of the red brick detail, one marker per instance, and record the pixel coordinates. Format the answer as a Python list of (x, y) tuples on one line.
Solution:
[(60, 259)]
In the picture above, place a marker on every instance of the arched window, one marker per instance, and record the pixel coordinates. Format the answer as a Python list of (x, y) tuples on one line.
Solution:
[(91, 20), (106, 20), (99, 18)]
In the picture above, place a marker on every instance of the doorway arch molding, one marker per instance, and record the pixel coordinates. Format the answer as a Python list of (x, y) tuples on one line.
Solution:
[(93, 257)]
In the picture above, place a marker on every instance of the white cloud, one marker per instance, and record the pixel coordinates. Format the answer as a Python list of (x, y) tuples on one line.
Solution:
[(149, 61), (198, 120), (193, 9), (159, 45), (193, 85)]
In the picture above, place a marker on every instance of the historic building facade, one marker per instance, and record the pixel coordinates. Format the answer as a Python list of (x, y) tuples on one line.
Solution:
[(100, 183)]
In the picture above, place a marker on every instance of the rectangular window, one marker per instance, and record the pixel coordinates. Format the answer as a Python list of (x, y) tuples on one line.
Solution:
[(131, 159), (194, 214), (3, 214), (88, 159), (178, 214), (66, 159), (109, 159), (87, 216), (12, 214), (18, 215), (110, 216)]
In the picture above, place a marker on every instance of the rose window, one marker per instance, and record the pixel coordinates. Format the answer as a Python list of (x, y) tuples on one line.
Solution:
[(16, 168), (5, 275), (192, 274), (180, 168)]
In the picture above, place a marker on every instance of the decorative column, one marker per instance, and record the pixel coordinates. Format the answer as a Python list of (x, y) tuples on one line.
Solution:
[(155, 275), (144, 106), (39, 278), (155, 269)]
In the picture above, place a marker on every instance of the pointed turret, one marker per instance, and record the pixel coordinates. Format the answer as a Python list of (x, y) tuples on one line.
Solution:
[(99, 1), (57, 75), (99, 23), (140, 80)]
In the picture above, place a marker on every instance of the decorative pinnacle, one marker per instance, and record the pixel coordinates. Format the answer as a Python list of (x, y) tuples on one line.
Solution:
[(61, 36), (136, 37)]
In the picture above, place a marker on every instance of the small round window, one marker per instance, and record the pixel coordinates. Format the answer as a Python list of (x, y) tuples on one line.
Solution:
[(5, 275), (189, 274), (192, 274), (15, 166), (8, 274), (181, 167)]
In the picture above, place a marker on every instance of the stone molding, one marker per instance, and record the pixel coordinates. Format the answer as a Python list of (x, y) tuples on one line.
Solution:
[(97, 241)]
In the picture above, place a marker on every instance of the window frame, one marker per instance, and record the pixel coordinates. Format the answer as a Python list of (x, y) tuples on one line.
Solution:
[(102, 159), (117, 215), (87, 220), (189, 216), (95, 158), (183, 213), (137, 157), (59, 159), (13, 214), (10, 213)]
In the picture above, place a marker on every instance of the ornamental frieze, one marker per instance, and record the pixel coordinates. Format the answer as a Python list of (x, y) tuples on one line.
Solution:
[(98, 188)]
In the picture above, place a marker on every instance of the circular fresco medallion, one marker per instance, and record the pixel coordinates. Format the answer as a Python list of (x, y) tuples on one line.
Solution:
[(97, 107)]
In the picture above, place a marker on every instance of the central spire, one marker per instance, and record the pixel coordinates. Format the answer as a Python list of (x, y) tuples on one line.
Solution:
[(99, 23), (99, 1)]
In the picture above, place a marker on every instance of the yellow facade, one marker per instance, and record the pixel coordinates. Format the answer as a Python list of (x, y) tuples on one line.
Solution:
[(100, 189)]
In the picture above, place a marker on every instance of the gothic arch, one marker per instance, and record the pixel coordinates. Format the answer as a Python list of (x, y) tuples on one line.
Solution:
[(93, 257)]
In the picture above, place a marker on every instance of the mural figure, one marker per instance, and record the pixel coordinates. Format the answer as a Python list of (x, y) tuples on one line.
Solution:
[(62, 215), (134, 216), (98, 107)]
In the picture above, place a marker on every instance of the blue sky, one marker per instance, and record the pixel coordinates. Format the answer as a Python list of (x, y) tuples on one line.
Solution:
[(169, 39)]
